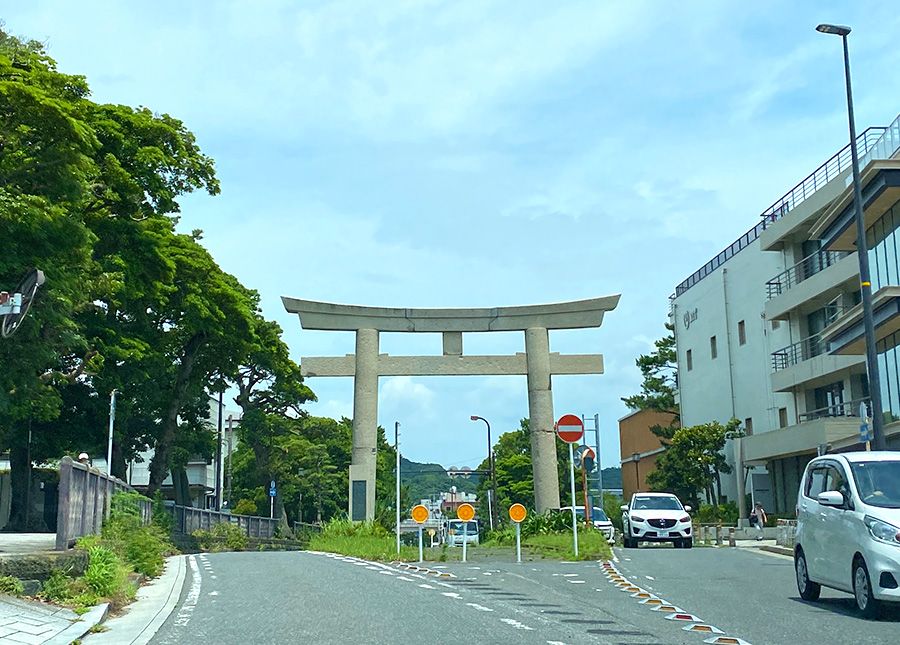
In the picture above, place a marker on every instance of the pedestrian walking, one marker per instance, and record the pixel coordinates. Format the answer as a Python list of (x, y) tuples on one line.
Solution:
[(758, 520)]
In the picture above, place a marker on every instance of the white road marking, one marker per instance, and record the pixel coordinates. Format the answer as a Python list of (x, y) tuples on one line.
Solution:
[(569, 575), (577, 582), (213, 577), (213, 593), (475, 605), (386, 573), (427, 586), (555, 643), (650, 577), (405, 578), (476, 568), (450, 594), (486, 573), (515, 623), (373, 568), (187, 609)]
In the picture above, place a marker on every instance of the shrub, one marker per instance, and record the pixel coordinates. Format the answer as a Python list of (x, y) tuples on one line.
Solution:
[(104, 573), (162, 518), (726, 513), (224, 536), (11, 586), (245, 507), (549, 522), (56, 588)]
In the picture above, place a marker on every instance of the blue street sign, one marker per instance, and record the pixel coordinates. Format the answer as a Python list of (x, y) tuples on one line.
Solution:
[(272, 489), (865, 433)]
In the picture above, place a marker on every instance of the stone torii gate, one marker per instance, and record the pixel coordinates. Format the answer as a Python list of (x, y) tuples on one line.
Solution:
[(366, 365)]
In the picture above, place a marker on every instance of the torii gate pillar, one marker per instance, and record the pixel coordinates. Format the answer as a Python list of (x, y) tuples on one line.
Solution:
[(366, 365)]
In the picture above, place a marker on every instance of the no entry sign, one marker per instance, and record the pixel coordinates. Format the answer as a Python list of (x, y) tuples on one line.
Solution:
[(570, 428)]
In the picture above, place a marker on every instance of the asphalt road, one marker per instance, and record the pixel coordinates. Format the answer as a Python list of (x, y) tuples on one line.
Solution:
[(292, 597), (752, 595), (296, 597)]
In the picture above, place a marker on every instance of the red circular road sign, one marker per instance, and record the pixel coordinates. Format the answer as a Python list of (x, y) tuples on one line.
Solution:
[(570, 428)]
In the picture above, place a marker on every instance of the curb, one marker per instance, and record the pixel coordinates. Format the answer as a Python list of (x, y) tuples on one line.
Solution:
[(81, 627), (781, 550)]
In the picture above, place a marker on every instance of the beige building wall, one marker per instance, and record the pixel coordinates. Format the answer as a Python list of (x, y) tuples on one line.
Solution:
[(639, 448)]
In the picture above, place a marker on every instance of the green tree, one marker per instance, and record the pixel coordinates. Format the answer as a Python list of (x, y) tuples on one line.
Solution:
[(694, 461), (659, 387)]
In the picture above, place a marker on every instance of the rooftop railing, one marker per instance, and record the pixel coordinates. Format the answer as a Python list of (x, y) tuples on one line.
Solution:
[(805, 268), (874, 143)]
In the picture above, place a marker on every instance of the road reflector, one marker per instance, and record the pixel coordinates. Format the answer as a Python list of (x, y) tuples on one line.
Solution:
[(654, 601), (420, 513), (699, 627), (517, 513), (667, 608), (687, 617), (642, 594), (632, 589), (465, 512), (725, 640)]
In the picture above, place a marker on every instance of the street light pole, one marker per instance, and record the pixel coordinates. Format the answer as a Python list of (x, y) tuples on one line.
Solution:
[(112, 422), (493, 511), (862, 253)]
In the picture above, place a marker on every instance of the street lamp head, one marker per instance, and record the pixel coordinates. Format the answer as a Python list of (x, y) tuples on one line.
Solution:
[(473, 418), (837, 30)]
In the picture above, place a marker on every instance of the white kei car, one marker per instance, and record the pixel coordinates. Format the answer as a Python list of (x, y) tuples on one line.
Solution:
[(598, 519), (848, 528), (656, 517)]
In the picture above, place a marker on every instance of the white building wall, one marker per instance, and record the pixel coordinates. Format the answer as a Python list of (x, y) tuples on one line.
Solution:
[(737, 382)]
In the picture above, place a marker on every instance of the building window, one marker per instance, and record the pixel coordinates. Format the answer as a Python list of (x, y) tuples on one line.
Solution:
[(713, 350), (782, 418), (690, 360), (742, 333), (776, 324), (748, 426)]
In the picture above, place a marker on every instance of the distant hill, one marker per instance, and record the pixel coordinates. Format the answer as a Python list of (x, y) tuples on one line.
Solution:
[(425, 480), (612, 477)]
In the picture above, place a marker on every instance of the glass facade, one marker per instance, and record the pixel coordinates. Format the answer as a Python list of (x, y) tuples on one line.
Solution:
[(889, 371), (884, 260)]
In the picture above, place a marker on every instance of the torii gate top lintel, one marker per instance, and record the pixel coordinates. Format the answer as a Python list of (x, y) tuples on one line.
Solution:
[(576, 314)]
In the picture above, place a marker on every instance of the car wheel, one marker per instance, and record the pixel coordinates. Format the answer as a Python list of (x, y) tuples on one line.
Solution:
[(628, 543), (678, 544), (868, 606), (808, 589), (687, 543)]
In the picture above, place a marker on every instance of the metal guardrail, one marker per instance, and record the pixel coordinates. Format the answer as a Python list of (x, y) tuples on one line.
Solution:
[(848, 409), (871, 140), (805, 268), (84, 498), (189, 519)]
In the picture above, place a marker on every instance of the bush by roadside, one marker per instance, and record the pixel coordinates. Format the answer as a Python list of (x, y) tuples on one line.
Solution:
[(124, 552), (224, 536), (367, 540)]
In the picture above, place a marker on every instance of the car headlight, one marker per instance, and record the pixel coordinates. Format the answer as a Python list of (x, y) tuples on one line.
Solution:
[(686, 518), (635, 518), (882, 531)]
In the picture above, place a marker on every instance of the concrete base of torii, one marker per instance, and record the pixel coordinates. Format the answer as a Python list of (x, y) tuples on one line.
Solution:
[(366, 365)]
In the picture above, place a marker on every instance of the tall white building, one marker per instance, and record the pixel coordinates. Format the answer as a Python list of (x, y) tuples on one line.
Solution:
[(754, 331)]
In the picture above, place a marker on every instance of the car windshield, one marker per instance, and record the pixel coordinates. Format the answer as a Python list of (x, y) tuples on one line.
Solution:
[(656, 504), (457, 526), (597, 515), (878, 482)]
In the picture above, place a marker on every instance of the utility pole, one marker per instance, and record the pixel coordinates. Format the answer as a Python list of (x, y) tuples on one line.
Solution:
[(230, 446), (219, 455), (112, 421), (397, 450)]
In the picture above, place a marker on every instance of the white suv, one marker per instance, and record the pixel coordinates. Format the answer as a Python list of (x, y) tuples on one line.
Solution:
[(848, 528), (656, 517)]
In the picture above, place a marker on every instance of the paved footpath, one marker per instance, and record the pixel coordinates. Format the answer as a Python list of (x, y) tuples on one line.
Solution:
[(27, 621)]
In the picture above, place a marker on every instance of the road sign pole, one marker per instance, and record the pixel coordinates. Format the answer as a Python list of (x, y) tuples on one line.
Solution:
[(420, 544), (572, 482), (465, 538), (518, 542), (271, 507), (397, 510)]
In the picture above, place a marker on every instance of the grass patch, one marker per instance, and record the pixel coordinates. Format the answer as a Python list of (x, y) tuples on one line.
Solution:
[(366, 540), (592, 545), (224, 536), (11, 586)]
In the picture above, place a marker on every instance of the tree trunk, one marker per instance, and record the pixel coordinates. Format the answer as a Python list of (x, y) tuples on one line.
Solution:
[(159, 465), (119, 466), (20, 487)]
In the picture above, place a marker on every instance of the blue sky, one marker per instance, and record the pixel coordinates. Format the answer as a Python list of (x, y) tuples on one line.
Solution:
[(456, 154)]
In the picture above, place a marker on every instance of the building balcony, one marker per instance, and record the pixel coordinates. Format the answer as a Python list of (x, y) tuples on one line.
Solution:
[(847, 335), (815, 280), (837, 426), (807, 362)]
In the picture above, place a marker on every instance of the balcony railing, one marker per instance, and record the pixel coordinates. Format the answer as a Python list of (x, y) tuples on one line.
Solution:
[(840, 162), (798, 352), (805, 268), (845, 409)]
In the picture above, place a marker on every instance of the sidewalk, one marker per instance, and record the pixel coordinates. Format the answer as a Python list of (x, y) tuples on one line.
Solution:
[(21, 543), (29, 621)]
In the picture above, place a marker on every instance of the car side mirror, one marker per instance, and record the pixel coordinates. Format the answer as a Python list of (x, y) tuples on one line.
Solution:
[(831, 498), (624, 507), (687, 509)]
